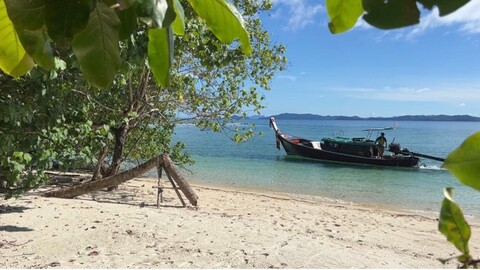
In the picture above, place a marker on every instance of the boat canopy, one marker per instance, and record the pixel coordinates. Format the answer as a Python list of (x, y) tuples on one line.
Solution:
[(350, 141), (379, 129), (371, 131)]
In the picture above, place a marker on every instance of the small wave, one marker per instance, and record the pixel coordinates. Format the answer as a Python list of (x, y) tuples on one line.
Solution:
[(431, 167)]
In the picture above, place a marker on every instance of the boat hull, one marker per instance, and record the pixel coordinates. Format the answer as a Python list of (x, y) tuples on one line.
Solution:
[(298, 149)]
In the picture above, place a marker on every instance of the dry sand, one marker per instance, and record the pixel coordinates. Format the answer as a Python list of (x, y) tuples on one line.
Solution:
[(229, 229)]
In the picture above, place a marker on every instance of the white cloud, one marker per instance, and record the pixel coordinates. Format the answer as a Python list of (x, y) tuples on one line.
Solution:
[(287, 77), (462, 104), (361, 24), (467, 18), (300, 12), (292, 77), (444, 94)]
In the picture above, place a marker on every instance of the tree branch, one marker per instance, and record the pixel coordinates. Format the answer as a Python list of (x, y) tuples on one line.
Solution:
[(89, 98)]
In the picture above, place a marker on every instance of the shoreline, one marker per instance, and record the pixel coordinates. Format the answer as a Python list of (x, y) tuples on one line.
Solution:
[(313, 199), (229, 228), (324, 199)]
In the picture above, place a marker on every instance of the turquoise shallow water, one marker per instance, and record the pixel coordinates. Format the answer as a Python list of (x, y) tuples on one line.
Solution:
[(258, 164)]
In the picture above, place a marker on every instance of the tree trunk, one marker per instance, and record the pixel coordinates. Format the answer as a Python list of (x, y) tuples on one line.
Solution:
[(98, 167), (3, 183), (120, 138), (107, 182), (182, 183)]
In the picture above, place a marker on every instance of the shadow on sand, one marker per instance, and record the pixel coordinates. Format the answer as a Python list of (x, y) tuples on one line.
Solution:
[(10, 228)]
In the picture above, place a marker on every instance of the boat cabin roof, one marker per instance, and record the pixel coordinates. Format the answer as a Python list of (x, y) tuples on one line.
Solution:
[(371, 131), (351, 141), (379, 129)]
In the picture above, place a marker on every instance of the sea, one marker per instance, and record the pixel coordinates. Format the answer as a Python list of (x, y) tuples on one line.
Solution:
[(257, 164)]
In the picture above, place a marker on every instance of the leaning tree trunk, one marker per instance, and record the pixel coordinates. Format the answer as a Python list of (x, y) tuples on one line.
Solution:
[(120, 138), (98, 168), (107, 182), (182, 183)]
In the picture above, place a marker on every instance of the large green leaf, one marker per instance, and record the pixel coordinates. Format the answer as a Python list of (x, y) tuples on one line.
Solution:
[(29, 14), (13, 58), (178, 24), (160, 53), (391, 14), (224, 21), (452, 224), (66, 18), (128, 19), (24, 66), (37, 46), (155, 13), (343, 14), (96, 47), (445, 7), (464, 162)]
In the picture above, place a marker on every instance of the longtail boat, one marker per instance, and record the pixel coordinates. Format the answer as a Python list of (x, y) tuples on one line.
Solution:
[(347, 150)]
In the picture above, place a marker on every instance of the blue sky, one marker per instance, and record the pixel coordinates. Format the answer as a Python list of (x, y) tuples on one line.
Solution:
[(430, 68)]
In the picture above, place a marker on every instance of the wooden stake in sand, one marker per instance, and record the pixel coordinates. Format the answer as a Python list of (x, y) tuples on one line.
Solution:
[(160, 187), (163, 161)]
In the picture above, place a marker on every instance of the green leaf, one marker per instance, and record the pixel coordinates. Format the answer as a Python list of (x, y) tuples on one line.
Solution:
[(452, 224), (464, 162), (224, 21), (128, 19), (391, 14), (445, 7), (24, 66), (160, 53), (60, 64), (155, 13), (18, 166), (64, 19), (178, 24), (18, 155), (343, 14), (27, 157), (28, 14), (37, 46), (97, 49), (13, 58)]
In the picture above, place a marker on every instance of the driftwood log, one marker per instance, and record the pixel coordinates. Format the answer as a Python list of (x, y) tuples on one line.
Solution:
[(115, 180), (107, 182)]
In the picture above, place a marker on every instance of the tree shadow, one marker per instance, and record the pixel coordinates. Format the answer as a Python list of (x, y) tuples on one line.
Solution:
[(127, 197), (10, 228), (6, 209)]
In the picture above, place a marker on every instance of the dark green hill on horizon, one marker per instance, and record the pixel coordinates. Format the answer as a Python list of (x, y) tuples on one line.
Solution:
[(440, 117)]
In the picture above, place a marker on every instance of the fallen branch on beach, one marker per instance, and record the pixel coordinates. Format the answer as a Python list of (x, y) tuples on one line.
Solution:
[(163, 161)]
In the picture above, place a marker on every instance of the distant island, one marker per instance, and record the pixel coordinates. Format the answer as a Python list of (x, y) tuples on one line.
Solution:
[(440, 117)]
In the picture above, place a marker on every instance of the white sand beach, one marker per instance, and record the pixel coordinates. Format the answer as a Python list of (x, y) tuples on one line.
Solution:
[(228, 229)]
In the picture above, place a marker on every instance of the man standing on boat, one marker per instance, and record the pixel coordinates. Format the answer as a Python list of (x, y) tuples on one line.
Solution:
[(381, 143)]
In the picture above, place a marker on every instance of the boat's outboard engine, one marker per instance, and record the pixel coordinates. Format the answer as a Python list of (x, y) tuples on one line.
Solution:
[(395, 148)]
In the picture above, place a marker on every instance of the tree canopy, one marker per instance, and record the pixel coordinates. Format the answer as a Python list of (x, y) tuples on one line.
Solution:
[(58, 117)]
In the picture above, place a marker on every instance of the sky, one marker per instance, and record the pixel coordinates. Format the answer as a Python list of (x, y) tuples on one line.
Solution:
[(429, 68)]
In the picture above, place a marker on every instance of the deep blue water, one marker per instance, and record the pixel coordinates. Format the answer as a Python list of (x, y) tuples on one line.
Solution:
[(258, 164)]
